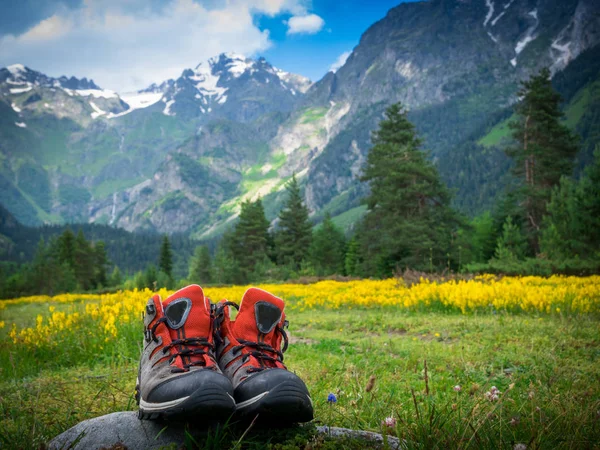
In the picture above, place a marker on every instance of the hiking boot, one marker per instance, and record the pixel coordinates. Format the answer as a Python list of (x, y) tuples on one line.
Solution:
[(178, 373), (249, 353)]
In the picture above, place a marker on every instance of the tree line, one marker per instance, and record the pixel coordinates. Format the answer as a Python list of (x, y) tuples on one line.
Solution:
[(546, 222)]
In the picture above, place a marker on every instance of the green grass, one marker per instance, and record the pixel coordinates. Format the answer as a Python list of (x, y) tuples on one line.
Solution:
[(547, 368), (500, 132), (581, 103), (313, 115), (347, 219)]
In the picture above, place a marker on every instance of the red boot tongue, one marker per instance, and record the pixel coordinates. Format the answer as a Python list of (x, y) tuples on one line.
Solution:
[(188, 314), (260, 312)]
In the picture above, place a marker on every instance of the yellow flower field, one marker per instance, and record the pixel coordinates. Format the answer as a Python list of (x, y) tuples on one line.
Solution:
[(554, 295)]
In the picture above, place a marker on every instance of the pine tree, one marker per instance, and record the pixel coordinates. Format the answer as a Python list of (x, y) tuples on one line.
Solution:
[(512, 244), (100, 264), (249, 243), (66, 248), (116, 279), (294, 234), (571, 228), (409, 221), (84, 262), (200, 266), (351, 261), (327, 249), (150, 277), (544, 150), (165, 263), (225, 268)]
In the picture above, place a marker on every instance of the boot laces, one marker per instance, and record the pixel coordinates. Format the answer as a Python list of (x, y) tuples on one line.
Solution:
[(183, 350), (258, 350)]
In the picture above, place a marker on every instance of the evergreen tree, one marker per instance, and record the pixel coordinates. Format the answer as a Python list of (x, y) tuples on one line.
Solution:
[(165, 263), (116, 279), (100, 264), (200, 266), (409, 221), (84, 262), (225, 268), (66, 248), (351, 261), (327, 249), (544, 150), (249, 243), (571, 228), (512, 244), (294, 234), (150, 279)]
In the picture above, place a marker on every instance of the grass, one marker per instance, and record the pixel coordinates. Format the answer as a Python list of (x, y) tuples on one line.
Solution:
[(581, 103), (347, 219), (547, 368), (313, 115), (497, 134)]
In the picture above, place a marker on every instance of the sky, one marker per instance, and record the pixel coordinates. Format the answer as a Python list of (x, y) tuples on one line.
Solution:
[(126, 45)]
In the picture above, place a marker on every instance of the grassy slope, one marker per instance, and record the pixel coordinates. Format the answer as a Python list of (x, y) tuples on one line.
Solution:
[(573, 112), (547, 368)]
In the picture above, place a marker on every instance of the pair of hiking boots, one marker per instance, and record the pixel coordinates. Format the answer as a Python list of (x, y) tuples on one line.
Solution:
[(197, 362)]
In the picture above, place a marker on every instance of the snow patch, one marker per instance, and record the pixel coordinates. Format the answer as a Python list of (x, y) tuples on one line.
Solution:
[(21, 124), (498, 18), (507, 5), (523, 43), (222, 100), (96, 93), (238, 64), (167, 110), (15, 107), (21, 90), (490, 13), (206, 83), (46, 105), (138, 100), (529, 36), (16, 70), (564, 56), (492, 37), (97, 111)]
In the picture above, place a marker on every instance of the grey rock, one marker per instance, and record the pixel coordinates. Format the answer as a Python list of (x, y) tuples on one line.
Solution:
[(125, 429)]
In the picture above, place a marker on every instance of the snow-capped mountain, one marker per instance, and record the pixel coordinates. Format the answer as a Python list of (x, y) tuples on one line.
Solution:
[(183, 154), (251, 87), (30, 92)]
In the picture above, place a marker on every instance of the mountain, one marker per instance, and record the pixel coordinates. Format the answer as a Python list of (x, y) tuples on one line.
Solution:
[(180, 156)]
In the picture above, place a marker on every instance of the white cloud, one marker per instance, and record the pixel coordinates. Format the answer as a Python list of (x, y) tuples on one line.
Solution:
[(339, 62), (308, 24), (127, 45)]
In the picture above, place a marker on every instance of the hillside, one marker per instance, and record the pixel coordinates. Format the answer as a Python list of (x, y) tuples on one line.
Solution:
[(182, 155)]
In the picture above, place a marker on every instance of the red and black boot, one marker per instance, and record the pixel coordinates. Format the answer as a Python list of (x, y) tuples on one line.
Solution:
[(178, 374), (249, 353)]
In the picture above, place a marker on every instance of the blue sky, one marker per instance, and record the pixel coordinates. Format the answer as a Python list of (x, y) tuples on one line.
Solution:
[(128, 44), (313, 54)]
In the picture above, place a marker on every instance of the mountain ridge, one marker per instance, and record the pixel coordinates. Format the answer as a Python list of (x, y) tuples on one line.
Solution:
[(183, 154)]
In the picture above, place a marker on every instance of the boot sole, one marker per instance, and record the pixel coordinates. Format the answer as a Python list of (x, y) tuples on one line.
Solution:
[(212, 403), (285, 403)]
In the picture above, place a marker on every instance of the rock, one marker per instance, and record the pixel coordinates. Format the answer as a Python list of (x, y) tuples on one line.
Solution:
[(123, 430)]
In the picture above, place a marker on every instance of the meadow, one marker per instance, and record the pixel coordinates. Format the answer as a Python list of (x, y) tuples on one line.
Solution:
[(487, 362)]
